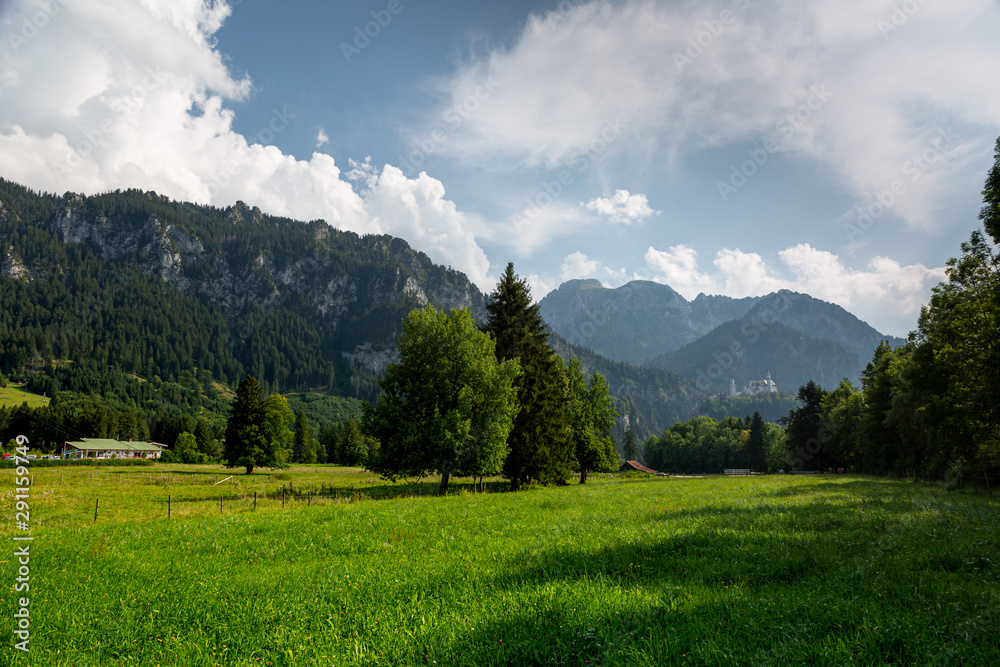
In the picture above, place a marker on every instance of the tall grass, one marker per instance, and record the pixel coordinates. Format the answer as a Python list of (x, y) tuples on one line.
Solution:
[(763, 570)]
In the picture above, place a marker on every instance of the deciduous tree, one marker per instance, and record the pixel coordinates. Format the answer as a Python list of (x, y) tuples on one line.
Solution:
[(591, 417), (447, 406)]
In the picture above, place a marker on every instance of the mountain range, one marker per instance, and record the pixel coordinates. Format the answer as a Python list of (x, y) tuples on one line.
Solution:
[(130, 282), (714, 339)]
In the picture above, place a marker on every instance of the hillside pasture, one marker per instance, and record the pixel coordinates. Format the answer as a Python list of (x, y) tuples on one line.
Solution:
[(819, 570), (15, 394)]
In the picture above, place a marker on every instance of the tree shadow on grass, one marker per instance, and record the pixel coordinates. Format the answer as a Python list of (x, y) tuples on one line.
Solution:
[(835, 484), (678, 628), (689, 597), (756, 547)]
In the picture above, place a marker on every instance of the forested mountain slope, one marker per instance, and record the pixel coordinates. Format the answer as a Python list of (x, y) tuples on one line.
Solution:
[(135, 281)]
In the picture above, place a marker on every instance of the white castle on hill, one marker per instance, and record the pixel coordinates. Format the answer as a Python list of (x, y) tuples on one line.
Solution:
[(765, 386)]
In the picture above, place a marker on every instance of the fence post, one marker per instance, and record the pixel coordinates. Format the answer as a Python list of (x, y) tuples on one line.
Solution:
[(254, 501), (168, 507), (282, 499), (986, 476), (309, 499), (220, 503), (96, 506)]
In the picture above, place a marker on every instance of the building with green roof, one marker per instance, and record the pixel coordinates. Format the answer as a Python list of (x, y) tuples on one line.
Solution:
[(106, 448)]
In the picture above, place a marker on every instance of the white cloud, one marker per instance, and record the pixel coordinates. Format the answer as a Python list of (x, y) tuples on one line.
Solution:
[(539, 286), (321, 138), (533, 227), (678, 267), (886, 295), (577, 265), (416, 210), (575, 68), (101, 97), (622, 207)]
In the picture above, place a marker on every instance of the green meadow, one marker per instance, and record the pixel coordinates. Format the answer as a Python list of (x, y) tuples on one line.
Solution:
[(14, 395), (777, 570)]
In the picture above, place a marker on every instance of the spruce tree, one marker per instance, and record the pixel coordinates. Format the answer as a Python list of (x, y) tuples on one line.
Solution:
[(247, 410), (804, 428), (258, 432), (630, 448), (755, 445), (304, 448), (990, 213), (541, 444)]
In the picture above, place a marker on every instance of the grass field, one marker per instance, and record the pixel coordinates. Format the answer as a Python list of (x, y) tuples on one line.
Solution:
[(831, 570), (14, 395)]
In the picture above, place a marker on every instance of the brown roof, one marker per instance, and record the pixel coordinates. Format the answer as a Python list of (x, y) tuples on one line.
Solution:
[(635, 465)]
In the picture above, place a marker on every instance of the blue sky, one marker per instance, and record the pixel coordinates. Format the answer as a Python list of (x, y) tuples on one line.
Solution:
[(732, 147)]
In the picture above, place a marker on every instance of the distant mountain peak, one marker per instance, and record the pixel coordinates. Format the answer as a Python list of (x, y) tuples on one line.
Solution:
[(644, 320)]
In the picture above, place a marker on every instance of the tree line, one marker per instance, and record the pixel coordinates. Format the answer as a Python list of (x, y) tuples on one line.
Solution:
[(496, 400), (707, 445), (932, 405)]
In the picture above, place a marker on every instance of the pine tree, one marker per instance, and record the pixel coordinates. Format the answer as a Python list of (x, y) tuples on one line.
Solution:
[(304, 447), (541, 444), (258, 430), (630, 449), (247, 410), (805, 428), (755, 445)]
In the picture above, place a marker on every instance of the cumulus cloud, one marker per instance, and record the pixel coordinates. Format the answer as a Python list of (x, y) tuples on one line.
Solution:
[(677, 266), (887, 295), (679, 79), (321, 138), (540, 285), (622, 207), (577, 265), (533, 227), (119, 93)]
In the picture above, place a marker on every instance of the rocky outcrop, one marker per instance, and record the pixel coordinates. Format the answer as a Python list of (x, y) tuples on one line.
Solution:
[(12, 266), (331, 278)]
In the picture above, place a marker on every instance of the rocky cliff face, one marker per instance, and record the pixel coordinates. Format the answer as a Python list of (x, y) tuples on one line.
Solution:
[(238, 259)]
